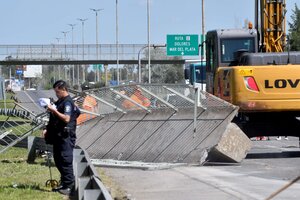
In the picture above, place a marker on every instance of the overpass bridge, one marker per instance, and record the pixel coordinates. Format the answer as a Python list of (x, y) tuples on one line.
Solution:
[(77, 55), (82, 54)]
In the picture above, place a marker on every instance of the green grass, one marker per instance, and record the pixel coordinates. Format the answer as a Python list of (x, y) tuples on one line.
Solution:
[(9, 104), (20, 180)]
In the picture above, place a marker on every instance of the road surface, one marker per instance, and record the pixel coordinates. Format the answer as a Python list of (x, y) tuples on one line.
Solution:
[(269, 166)]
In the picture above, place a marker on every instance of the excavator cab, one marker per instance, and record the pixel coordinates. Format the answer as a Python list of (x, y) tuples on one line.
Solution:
[(224, 48), (264, 85)]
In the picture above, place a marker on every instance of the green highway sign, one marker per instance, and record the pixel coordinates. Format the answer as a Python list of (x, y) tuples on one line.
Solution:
[(97, 66), (182, 45)]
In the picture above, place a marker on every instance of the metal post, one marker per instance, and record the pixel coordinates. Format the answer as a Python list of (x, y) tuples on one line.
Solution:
[(203, 21), (58, 52), (149, 58), (73, 70), (97, 44), (10, 77), (117, 43), (139, 64), (202, 40), (83, 70), (106, 74), (195, 111), (65, 40), (139, 59)]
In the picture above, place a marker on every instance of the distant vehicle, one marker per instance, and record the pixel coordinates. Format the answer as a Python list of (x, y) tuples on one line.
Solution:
[(13, 84), (195, 74), (30, 89)]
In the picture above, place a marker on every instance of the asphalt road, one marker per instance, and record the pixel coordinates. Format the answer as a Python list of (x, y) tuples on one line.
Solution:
[(269, 166)]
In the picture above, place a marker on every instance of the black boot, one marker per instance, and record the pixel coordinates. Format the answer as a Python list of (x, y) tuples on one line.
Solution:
[(69, 190), (57, 188)]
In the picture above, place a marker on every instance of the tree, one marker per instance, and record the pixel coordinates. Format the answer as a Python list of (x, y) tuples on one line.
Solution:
[(128, 72), (294, 31), (163, 73), (91, 76), (124, 74), (113, 73), (46, 80)]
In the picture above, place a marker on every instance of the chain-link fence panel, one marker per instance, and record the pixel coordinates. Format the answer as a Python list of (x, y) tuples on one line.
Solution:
[(16, 124), (154, 123)]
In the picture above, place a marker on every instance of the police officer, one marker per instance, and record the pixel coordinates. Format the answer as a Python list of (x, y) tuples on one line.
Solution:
[(61, 132)]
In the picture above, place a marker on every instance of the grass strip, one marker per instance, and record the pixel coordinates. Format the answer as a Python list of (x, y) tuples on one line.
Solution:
[(20, 180)]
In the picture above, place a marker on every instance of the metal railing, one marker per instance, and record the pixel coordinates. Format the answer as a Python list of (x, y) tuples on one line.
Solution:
[(71, 52), (17, 123), (88, 184)]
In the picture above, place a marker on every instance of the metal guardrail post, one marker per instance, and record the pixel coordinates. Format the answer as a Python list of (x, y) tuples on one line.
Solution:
[(88, 184)]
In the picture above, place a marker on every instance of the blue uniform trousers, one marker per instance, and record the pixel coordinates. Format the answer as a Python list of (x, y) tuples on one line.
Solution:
[(63, 158)]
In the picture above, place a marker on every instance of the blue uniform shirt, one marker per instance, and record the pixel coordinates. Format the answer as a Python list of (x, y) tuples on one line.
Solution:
[(68, 108)]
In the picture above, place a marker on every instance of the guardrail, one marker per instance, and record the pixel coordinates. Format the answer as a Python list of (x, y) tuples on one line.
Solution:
[(87, 182), (71, 52)]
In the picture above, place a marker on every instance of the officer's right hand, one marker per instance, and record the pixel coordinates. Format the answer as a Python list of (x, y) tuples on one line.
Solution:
[(51, 108)]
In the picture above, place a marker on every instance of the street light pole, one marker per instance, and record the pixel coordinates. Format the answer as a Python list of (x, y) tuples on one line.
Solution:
[(58, 52), (117, 43), (65, 40), (203, 57), (97, 44), (73, 70), (139, 59), (149, 59), (203, 31), (83, 70)]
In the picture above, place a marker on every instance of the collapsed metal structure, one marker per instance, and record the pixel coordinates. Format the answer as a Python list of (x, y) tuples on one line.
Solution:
[(167, 129)]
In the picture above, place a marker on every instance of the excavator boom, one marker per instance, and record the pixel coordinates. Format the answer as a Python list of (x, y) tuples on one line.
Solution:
[(271, 24)]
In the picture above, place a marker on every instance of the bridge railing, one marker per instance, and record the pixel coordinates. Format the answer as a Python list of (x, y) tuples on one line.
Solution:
[(71, 52)]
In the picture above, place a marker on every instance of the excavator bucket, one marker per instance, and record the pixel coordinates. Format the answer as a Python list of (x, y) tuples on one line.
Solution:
[(160, 123)]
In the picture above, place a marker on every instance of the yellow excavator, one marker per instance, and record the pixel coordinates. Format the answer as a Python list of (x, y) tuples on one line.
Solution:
[(254, 69)]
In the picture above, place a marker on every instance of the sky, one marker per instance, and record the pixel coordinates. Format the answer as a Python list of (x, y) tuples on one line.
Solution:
[(41, 21)]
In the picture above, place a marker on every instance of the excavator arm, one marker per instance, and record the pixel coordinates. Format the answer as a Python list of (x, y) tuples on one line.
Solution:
[(271, 24)]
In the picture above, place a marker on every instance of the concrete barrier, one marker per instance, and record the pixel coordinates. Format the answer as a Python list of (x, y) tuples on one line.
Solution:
[(232, 147)]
